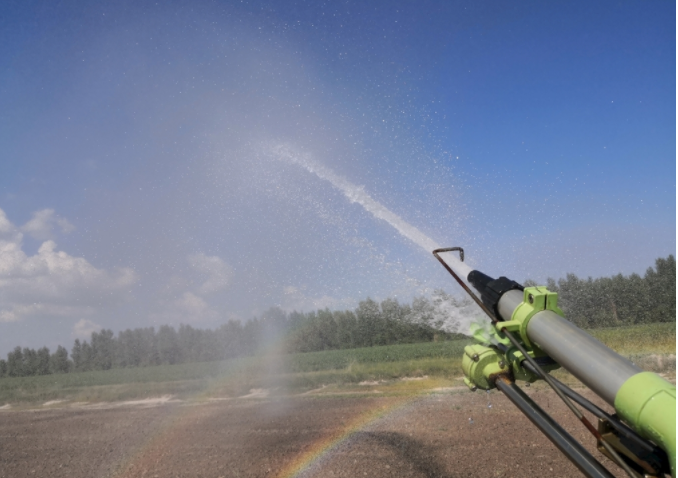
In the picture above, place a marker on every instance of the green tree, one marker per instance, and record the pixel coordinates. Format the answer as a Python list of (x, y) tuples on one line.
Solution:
[(103, 350), (76, 354), (347, 329), (59, 361), (231, 339), (397, 329), (87, 357), (327, 330), (168, 345), (422, 315), (661, 283), (368, 314), (15, 363), (42, 362), (189, 343), (30, 361)]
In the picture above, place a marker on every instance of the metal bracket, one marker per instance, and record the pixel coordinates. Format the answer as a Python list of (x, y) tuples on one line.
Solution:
[(625, 450), (463, 285)]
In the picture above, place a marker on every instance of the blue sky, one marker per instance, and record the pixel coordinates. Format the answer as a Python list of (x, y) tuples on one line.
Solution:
[(138, 138)]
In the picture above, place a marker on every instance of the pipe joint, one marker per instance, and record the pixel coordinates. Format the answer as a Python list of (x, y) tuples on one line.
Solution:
[(535, 299)]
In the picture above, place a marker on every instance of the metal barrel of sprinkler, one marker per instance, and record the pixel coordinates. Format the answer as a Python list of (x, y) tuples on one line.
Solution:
[(601, 369), (644, 400)]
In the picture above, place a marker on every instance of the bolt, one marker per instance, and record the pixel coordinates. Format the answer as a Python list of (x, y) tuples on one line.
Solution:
[(530, 298), (475, 357)]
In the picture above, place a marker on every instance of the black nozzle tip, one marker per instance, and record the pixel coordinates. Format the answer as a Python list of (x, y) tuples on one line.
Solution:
[(479, 280), (491, 289)]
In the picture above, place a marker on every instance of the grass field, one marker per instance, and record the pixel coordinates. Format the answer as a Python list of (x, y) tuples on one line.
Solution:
[(639, 339), (650, 346)]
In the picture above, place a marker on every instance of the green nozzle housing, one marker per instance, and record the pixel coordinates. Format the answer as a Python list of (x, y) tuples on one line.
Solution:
[(648, 403), (481, 366)]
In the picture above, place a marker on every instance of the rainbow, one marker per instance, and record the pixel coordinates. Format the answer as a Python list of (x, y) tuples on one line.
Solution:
[(154, 448), (323, 447)]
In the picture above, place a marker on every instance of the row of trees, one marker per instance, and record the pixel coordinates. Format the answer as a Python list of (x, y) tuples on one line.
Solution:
[(137, 348), (23, 362), (370, 324), (618, 300)]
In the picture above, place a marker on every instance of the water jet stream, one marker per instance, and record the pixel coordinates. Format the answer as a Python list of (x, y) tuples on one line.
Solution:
[(357, 194)]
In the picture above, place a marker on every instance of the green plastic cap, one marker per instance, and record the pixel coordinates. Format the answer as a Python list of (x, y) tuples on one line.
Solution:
[(648, 403)]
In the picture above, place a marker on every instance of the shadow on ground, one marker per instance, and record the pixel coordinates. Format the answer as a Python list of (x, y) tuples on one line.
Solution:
[(414, 452)]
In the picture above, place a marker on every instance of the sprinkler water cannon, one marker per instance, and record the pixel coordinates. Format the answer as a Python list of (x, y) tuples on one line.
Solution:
[(529, 337)]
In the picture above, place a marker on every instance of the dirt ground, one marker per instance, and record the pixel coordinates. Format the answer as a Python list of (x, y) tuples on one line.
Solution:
[(447, 434)]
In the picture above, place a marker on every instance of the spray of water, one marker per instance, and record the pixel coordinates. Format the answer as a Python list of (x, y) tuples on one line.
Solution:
[(357, 194), (444, 311), (456, 316)]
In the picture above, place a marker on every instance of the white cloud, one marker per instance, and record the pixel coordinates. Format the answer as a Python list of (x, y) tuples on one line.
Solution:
[(42, 225), (52, 282), (83, 329), (194, 308), (8, 232), (187, 307), (214, 273)]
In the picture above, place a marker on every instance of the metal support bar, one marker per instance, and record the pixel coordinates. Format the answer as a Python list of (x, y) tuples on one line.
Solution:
[(548, 379), (654, 456), (616, 423), (572, 449)]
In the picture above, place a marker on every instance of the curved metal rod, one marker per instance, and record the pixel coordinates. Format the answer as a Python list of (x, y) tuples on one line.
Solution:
[(461, 282)]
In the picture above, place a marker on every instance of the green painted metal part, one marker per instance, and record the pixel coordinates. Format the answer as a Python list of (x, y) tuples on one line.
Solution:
[(486, 334), (535, 299), (648, 403), (481, 365), (515, 358), (645, 401)]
